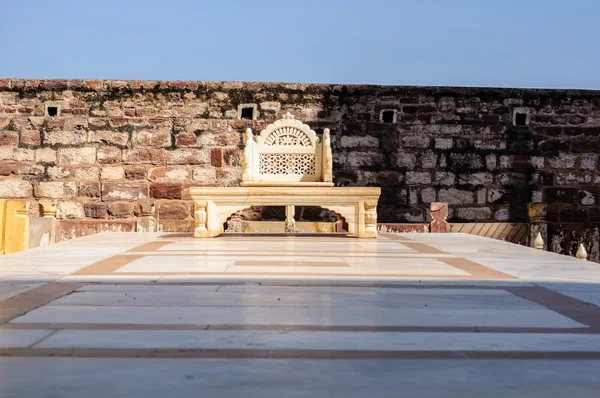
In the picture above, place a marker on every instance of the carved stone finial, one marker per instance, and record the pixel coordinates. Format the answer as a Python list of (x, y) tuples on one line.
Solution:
[(581, 252), (538, 243), (288, 116)]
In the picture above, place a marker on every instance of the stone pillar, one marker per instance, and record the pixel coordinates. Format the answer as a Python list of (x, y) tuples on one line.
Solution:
[(146, 221), (290, 223), (537, 223), (439, 214)]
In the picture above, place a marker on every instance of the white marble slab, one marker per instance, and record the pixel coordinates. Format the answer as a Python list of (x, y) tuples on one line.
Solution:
[(176, 264), (11, 289), (303, 340), (238, 315), (12, 338)]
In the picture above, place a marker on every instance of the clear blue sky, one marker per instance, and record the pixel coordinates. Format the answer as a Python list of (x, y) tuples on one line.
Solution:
[(505, 43)]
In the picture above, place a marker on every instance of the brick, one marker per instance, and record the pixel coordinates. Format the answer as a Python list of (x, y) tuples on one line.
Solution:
[(499, 195), (56, 189), (175, 210), (65, 138), (186, 140), (95, 210), (475, 179), (15, 189), (465, 161), (112, 173), (360, 159), (169, 174), (367, 141), (31, 138), (77, 155), (151, 138), (69, 210), (86, 173), (586, 197), (588, 161), (89, 189), (563, 161), (216, 157), (115, 191), (443, 143), (120, 210), (205, 176), (9, 138), (444, 178), (58, 172), (415, 142), (175, 226), (166, 191)]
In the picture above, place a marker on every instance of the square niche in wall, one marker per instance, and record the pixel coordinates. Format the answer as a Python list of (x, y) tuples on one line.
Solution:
[(247, 111), (521, 117), (388, 116), (51, 109)]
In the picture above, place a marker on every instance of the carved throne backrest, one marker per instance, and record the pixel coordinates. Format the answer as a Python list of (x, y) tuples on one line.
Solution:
[(287, 152)]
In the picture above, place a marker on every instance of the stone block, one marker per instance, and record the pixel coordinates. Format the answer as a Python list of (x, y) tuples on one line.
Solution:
[(491, 162), (70, 229), (166, 191), (151, 138), (58, 172), (186, 140), (128, 191), (89, 189), (69, 210), (439, 215), (560, 195), (444, 178), (360, 159), (114, 138), (415, 142), (588, 161), (77, 155), (406, 160), (232, 157), (499, 195), (351, 141), (56, 189), (45, 155), (428, 160), (443, 143), (473, 213), (169, 174), (216, 157), (145, 224), (475, 179), (109, 155), (175, 226), (465, 161), (428, 195), (144, 156), (205, 176), (86, 173), (65, 138), (418, 178), (17, 154), (112, 173), (15, 189), (9, 138), (135, 173), (187, 156), (502, 214), (95, 209), (31, 138), (586, 197), (120, 210), (455, 196), (563, 161), (175, 210)]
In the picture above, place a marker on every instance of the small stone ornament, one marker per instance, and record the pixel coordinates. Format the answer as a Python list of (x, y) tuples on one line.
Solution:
[(538, 243), (581, 252)]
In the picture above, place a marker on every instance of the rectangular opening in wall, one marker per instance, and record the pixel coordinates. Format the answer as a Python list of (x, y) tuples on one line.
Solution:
[(388, 116), (247, 113), (520, 119)]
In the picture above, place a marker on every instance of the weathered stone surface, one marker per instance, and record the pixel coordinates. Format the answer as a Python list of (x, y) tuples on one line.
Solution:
[(175, 225), (17, 154), (216, 157), (455, 196), (77, 155), (120, 210), (169, 174), (175, 210), (112, 191), (109, 155), (475, 179), (86, 173), (65, 138), (187, 156), (144, 156), (69, 210), (95, 209), (71, 229), (56, 189), (474, 213), (31, 138), (151, 138), (112, 173), (15, 189), (135, 173), (166, 191), (45, 155), (89, 189), (205, 176), (418, 178), (9, 138), (114, 138)]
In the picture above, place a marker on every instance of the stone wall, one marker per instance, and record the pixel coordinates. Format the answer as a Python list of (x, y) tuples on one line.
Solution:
[(125, 152)]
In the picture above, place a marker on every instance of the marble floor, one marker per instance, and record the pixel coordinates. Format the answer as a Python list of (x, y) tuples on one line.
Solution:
[(414, 315)]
